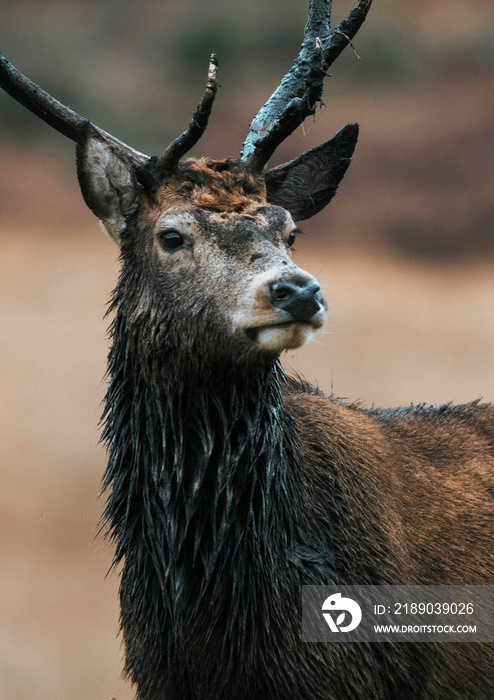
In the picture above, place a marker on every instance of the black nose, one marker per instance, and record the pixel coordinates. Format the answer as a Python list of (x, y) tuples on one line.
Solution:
[(299, 296)]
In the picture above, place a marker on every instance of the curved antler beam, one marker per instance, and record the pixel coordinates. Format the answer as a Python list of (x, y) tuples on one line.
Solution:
[(53, 112), (168, 161), (294, 100), (301, 88)]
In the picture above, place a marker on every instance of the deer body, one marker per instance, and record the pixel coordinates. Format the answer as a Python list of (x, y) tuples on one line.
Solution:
[(231, 485), (233, 488)]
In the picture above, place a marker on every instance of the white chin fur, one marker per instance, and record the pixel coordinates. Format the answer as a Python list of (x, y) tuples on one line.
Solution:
[(287, 336)]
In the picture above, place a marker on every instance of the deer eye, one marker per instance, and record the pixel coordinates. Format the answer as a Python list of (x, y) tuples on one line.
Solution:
[(171, 240), (291, 239)]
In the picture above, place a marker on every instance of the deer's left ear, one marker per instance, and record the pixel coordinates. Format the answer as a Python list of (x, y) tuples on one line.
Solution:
[(306, 184), (108, 181)]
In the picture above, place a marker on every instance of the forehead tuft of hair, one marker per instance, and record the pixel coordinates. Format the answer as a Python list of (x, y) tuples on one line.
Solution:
[(218, 185)]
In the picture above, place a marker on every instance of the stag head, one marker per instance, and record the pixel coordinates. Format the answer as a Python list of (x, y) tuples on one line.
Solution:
[(207, 244)]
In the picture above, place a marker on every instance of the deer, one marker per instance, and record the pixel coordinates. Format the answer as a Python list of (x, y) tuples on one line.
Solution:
[(231, 484)]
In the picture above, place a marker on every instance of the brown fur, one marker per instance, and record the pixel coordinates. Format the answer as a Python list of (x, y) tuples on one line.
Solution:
[(216, 185), (426, 472), (417, 485), (222, 186)]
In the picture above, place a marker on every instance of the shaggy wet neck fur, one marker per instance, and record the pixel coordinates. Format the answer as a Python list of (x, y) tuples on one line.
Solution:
[(199, 473)]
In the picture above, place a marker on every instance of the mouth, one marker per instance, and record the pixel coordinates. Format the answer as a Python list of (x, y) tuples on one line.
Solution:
[(280, 311), (281, 336)]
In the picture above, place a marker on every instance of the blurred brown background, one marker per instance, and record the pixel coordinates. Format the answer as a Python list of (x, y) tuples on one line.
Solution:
[(405, 254)]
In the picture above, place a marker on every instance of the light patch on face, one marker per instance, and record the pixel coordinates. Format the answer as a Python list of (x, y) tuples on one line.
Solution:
[(167, 200), (256, 309), (287, 336), (179, 218), (271, 328), (264, 213), (181, 221)]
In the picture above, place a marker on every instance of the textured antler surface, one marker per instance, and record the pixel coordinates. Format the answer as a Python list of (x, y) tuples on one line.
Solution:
[(70, 123), (53, 112), (301, 88), (181, 145), (295, 99)]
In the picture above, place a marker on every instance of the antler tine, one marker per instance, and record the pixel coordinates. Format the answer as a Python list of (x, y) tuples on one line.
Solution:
[(169, 159), (301, 88), (53, 112)]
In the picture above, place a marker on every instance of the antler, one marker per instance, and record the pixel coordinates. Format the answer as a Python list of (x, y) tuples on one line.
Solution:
[(53, 112), (301, 89), (293, 101), (70, 123), (168, 160)]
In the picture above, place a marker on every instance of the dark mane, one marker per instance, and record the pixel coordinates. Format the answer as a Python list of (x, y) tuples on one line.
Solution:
[(199, 476)]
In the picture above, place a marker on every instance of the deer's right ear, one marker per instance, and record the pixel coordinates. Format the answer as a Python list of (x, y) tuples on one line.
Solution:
[(306, 184), (107, 180)]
